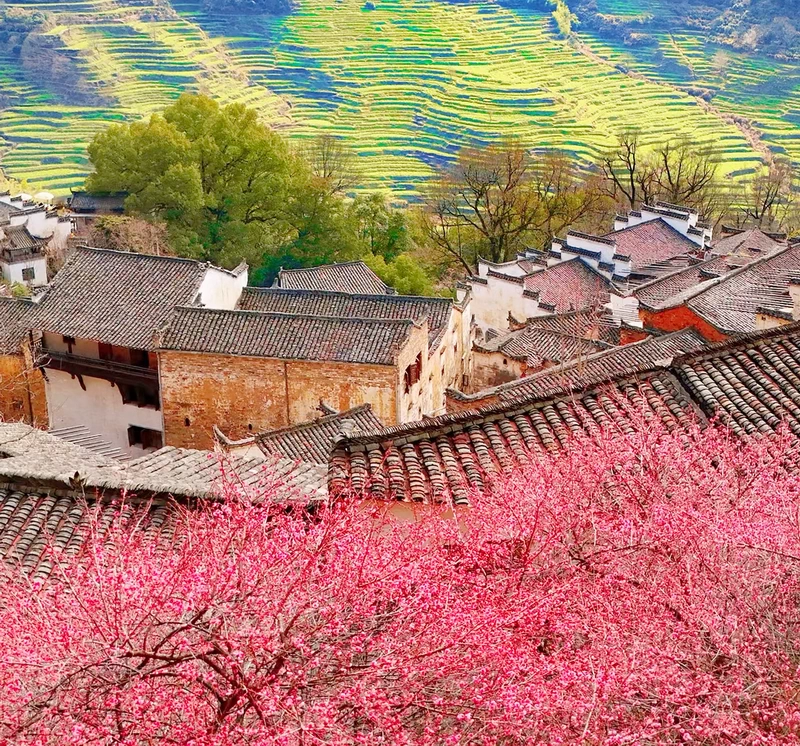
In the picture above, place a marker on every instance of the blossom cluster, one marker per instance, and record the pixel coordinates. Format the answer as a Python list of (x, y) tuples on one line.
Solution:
[(642, 588)]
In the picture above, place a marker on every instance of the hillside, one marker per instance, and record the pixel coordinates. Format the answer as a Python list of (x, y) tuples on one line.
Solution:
[(406, 82)]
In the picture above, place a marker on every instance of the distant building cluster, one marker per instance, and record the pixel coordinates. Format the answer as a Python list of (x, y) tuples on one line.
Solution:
[(345, 386)]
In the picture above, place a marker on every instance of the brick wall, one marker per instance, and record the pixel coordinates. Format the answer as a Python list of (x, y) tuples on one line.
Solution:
[(243, 395), (681, 317)]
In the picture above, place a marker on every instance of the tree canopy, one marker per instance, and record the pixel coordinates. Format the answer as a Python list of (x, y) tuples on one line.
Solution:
[(640, 589), (229, 188)]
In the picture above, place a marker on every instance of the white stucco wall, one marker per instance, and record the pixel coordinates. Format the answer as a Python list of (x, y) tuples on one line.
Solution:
[(491, 303), (13, 272), (607, 251), (512, 269), (221, 289), (100, 409), (625, 308)]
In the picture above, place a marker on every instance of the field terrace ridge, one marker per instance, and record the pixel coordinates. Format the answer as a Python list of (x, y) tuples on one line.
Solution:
[(748, 383)]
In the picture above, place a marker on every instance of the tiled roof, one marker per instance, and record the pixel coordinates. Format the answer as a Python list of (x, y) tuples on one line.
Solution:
[(447, 457), (347, 277), (593, 370), (537, 346), (18, 245), (40, 459), (587, 324), (753, 241), (34, 524), (186, 472), (312, 441), (651, 242), (98, 203), (604, 366), (657, 293), (731, 304), (351, 306), (569, 286), (13, 317), (752, 384), (285, 336), (117, 297)]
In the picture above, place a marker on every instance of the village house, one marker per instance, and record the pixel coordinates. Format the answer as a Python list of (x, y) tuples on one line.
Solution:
[(505, 294), (249, 371), (727, 300), (447, 361), (27, 230), (93, 331), (86, 207)]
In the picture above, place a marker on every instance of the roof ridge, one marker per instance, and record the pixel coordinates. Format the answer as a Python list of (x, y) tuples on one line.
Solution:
[(716, 281), (162, 257), (312, 423), (379, 296), (281, 314)]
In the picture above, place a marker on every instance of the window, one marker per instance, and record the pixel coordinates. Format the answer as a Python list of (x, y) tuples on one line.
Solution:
[(28, 274), (413, 373), (144, 437), (69, 342), (140, 358), (187, 422), (139, 395), (106, 352)]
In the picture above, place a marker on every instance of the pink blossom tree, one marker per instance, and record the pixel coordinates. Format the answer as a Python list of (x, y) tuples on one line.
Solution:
[(640, 589)]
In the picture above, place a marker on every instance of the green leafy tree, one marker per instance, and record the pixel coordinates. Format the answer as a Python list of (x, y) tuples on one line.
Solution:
[(403, 273), (217, 176)]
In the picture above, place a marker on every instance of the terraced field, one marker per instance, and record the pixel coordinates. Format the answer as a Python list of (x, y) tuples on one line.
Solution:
[(762, 90), (406, 83)]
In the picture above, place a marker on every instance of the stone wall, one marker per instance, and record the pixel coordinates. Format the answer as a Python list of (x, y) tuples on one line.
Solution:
[(245, 395)]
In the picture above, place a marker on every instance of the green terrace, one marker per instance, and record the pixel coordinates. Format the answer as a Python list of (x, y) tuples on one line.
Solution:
[(406, 84)]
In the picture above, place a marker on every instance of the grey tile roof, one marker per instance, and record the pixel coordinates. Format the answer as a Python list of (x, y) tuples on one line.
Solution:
[(657, 293), (753, 241), (286, 336), (568, 286), (18, 245), (651, 242), (117, 297), (347, 277), (591, 323), (731, 304), (752, 383), (351, 306), (187, 472), (537, 346), (39, 459), (312, 441), (85, 202), (14, 313), (593, 370), (38, 527), (448, 457)]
